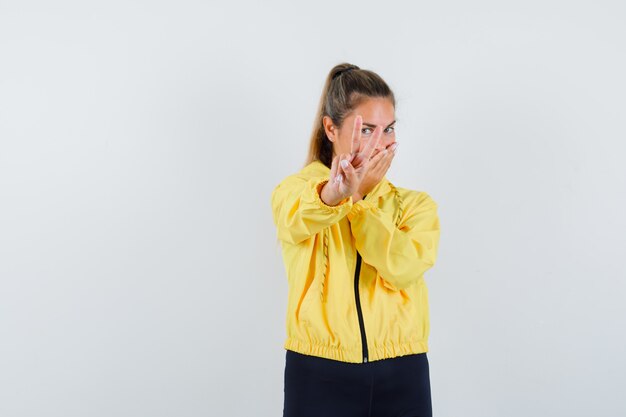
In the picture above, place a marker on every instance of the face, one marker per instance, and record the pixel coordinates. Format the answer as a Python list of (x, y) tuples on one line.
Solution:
[(375, 111)]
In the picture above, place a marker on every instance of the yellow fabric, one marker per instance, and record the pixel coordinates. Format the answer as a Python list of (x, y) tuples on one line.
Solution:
[(396, 232)]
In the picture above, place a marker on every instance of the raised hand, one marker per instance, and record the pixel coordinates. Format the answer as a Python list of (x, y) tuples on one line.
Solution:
[(378, 166), (348, 170)]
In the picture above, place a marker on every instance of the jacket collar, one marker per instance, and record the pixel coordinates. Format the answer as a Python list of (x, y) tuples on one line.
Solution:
[(317, 168)]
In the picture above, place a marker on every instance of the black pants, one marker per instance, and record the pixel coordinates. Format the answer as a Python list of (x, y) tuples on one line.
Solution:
[(320, 387)]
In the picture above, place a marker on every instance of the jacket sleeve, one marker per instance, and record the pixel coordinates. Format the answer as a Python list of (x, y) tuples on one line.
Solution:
[(401, 254), (299, 211)]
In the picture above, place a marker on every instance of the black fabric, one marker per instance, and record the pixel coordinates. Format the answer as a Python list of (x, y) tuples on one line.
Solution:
[(320, 387)]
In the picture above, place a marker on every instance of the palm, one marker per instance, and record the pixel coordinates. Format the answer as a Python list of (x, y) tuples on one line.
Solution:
[(360, 157), (359, 161)]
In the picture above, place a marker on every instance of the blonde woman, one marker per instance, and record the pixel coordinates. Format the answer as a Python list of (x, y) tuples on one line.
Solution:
[(355, 248)]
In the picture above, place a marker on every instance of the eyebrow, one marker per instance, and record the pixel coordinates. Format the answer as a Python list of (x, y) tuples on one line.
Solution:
[(374, 126)]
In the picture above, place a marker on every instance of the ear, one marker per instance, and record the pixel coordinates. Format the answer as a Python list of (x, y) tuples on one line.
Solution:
[(329, 128)]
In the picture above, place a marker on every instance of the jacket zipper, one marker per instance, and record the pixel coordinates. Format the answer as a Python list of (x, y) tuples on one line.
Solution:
[(358, 305)]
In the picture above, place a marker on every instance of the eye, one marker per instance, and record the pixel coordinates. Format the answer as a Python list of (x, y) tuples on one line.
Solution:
[(364, 130), (390, 127)]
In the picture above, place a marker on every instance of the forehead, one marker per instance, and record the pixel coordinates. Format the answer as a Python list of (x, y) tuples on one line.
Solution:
[(377, 111)]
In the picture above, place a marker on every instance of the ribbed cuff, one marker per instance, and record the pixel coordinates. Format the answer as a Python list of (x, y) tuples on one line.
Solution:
[(315, 195)]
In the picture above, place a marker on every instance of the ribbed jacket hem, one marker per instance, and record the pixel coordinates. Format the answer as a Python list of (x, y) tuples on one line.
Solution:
[(380, 352)]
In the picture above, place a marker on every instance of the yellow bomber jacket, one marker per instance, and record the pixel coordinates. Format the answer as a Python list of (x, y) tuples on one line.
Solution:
[(355, 271)]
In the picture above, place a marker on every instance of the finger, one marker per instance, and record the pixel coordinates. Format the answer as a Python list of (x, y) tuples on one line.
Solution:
[(333, 169), (348, 171), (341, 173), (376, 159), (386, 162), (333, 166), (340, 167), (356, 136), (390, 153), (373, 143)]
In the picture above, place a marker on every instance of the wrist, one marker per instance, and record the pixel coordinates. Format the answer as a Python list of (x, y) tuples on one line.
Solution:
[(328, 197)]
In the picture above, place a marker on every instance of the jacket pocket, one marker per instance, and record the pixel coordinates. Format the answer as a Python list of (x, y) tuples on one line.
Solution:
[(311, 304), (412, 305), (310, 299), (306, 304)]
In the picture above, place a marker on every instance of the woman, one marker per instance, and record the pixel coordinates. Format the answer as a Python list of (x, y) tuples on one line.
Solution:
[(355, 249)]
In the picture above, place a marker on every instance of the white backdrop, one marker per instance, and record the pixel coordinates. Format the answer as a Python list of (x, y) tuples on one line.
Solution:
[(140, 142)]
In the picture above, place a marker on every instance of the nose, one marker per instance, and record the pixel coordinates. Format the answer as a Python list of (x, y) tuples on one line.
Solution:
[(381, 145)]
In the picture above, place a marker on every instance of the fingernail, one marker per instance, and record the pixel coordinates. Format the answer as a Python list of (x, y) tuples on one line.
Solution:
[(344, 163)]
